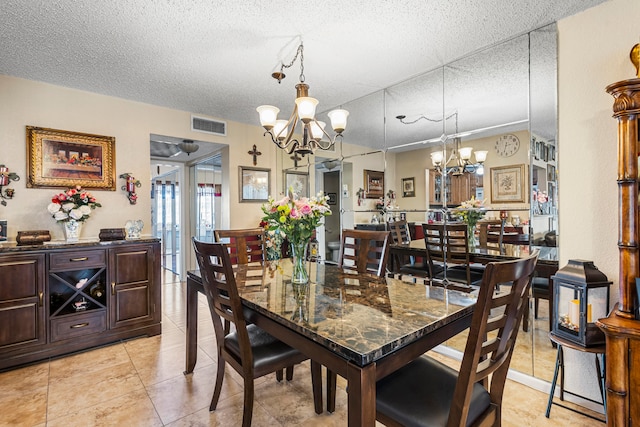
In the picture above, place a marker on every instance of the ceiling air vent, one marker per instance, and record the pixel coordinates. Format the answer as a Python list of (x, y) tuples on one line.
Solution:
[(214, 127)]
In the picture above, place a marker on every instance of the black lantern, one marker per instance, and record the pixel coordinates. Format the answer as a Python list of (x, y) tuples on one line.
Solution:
[(581, 296)]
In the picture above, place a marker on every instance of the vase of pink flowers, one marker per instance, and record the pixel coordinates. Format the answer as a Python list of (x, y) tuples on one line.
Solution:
[(71, 208), (296, 218)]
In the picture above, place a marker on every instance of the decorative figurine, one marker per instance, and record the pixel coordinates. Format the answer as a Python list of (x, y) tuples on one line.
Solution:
[(130, 187), (5, 178)]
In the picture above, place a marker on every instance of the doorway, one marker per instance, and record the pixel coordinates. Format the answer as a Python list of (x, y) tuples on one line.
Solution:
[(331, 186), (207, 176), (165, 218)]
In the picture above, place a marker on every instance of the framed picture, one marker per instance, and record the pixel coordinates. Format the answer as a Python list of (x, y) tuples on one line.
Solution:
[(60, 158), (507, 184), (408, 187), (298, 181), (333, 198), (373, 184), (254, 184)]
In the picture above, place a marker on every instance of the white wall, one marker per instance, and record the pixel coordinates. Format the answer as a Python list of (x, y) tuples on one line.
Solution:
[(594, 51), (32, 103)]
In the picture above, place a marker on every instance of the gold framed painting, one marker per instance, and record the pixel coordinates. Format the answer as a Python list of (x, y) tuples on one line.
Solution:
[(507, 184), (60, 158)]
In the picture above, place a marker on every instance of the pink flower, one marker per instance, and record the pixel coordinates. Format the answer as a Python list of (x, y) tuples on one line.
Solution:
[(305, 210)]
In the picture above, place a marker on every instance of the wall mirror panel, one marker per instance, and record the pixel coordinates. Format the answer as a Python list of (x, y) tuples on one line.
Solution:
[(488, 100)]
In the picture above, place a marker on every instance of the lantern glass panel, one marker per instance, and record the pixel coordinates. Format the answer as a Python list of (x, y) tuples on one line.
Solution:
[(568, 308)]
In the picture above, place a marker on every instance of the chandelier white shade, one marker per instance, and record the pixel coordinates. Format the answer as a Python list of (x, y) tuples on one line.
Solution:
[(459, 161)]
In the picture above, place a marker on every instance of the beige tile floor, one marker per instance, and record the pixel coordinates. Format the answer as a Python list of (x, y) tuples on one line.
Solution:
[(141, 383)]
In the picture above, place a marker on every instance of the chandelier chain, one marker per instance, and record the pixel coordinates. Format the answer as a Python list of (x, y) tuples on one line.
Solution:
[(299, 52)]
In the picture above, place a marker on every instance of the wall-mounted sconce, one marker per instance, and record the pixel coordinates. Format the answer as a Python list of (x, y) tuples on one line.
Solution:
[(5, 178), (130, 187)]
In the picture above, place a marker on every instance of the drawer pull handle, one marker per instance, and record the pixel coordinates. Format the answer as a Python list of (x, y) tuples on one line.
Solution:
[(80, 325), (41, 295), (84, 258), (113, 288)]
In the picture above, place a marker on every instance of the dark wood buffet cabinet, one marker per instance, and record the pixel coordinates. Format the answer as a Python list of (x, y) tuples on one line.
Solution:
[(621, 327), (60, 298)]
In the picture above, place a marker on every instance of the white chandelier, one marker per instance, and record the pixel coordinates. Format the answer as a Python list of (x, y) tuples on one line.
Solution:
[(459, 161), (282, 131)]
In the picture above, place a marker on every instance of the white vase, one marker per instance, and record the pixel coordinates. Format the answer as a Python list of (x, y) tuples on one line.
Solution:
[(72, 230)]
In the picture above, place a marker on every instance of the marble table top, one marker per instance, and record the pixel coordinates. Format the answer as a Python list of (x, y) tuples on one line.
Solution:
[(359, 316)]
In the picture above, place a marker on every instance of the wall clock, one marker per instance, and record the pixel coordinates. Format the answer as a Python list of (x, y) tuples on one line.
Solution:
[(507, 145)]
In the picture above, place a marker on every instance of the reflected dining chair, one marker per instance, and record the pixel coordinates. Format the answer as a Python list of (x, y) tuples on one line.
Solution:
[(491, 233), (448, 256), (249, 350), (400, 235), (364, 251), (427, 392), (244, 245)]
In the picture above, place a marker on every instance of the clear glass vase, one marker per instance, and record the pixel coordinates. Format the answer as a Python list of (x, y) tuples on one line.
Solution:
[(299, 274), (471, 237)]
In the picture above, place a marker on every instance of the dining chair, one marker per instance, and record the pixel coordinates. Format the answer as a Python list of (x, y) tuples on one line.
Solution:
[(249, 350), (364, 251), (244, 245), (491, 233), (400, 235), (448, 256), (426, 392)]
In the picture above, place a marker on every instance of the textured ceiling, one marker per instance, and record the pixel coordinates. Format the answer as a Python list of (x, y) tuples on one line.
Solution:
[(215, 57)]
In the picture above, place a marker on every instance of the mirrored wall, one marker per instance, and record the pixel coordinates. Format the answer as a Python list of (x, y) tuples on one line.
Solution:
[(501, 100)]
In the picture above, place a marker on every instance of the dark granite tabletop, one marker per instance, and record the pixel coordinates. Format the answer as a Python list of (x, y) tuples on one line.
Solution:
[(361, 317)]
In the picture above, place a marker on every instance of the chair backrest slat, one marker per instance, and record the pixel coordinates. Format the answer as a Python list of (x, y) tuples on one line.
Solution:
[(365, 251), (220, 288), (399, 231), (244, 245), (448, 244)]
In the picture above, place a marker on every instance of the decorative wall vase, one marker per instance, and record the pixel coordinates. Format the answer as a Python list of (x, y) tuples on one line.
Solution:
[(72, 229)]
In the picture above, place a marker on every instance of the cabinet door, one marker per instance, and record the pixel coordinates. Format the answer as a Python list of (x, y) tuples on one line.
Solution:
[(134, 285), (22, 296)]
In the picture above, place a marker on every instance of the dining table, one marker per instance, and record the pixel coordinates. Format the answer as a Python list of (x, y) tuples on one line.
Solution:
[(547, 255), (360, 326)]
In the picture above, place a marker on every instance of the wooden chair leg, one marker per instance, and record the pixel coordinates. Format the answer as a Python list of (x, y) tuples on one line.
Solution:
[(316, 385), (289, 373), (331, 391), (279, 375), (247, 412), (218, 387)]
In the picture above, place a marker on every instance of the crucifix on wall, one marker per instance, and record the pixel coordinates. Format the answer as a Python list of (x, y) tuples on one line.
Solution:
[(295, 159), (255, 153)]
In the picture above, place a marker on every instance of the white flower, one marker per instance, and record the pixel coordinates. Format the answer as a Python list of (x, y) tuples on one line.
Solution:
[(53, 208), (85, 209), (76, 214), (60, 215), (68, 206)]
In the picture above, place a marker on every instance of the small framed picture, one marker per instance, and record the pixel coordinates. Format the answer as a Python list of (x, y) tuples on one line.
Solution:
[(3, 230), (408, 187), (374, 184), (254, 184), (333, 198)]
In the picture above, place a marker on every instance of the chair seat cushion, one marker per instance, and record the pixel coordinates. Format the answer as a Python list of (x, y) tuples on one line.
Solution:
[(420, 394), (267, 350), (459, 274), (540, 283)]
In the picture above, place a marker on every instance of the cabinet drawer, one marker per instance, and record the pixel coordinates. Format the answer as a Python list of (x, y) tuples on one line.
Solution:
[(77, 260), (78, 324)]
